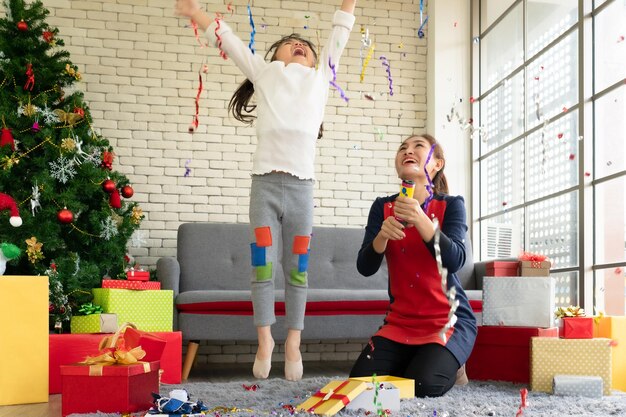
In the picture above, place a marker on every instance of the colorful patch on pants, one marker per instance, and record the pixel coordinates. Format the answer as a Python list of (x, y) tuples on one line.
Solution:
[(301, 245), (258, 255), (263, 236), (264, 273), (303, 262), (298, 278)]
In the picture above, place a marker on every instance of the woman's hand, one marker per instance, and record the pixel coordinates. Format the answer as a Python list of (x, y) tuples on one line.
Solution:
[(186, 8), (391, 229), (410, 211)]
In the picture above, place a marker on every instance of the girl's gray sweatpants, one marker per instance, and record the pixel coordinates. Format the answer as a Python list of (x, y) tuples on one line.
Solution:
[(281, 206)]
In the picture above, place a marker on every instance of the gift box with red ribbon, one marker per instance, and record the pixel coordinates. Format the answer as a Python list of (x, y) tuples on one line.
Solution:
[(108, 389), (137, 275), (131, 284), (534, 265), (333, 397)]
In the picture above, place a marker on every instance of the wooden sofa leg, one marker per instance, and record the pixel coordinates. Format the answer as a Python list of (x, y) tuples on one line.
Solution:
[(192, 349)]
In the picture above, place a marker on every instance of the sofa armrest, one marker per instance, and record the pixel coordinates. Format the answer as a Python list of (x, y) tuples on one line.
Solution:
[(480, 270), (168, 274)]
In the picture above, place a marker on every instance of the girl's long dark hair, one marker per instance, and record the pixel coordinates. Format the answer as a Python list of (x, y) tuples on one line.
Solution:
[(440, 182), (239, 104)]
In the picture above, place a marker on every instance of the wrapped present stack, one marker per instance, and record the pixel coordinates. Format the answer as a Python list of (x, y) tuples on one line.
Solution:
[(137, 300), (515, 309), (574, 363)]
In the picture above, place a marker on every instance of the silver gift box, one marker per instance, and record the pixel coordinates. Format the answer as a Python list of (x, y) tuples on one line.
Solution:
[(578, 385)]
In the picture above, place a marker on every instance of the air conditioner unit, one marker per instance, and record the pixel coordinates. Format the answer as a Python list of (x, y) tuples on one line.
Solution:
[(499, 240)]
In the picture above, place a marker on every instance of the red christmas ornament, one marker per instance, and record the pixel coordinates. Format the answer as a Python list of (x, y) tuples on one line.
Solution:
[(6, 138), (65, 216), (107, 160), (48, 36), (108, 186), (50, 308), (115, 201), (22, 26), (79, 111), (127, 191), (35, 128), (30, 77)]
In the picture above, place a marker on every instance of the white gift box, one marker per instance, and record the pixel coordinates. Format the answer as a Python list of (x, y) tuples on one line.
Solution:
[(519, 301), (578, 385), (388, 396)]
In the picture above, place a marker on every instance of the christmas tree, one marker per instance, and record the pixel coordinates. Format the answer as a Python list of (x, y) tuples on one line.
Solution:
[(56, 176)]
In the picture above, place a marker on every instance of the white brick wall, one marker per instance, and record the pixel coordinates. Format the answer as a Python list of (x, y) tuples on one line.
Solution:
[(140, 68)]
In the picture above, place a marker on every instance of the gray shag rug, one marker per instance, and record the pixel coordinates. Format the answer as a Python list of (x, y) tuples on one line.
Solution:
[(274, 396)]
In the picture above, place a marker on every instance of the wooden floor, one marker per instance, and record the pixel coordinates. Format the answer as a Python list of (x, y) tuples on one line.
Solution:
[(200, 373)]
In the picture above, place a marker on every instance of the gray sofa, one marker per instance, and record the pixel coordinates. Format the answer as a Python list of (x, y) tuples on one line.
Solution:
[(210, 277)]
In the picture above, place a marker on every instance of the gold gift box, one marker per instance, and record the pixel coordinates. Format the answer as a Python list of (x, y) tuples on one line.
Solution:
[(333, 397), (551, 356)]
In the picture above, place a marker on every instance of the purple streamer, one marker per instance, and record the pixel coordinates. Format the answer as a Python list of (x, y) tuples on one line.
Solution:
[(386, 64), (187, 169), (334, 84), (430, 185)]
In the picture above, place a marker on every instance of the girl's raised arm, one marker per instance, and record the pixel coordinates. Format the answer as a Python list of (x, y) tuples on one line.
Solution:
[(348, 6)]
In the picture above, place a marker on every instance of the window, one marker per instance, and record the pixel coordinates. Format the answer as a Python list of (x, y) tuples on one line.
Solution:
[(551, 164)]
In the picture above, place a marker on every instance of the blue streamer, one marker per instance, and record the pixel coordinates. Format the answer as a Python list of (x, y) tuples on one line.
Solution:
[(420, 31), (251, 44)]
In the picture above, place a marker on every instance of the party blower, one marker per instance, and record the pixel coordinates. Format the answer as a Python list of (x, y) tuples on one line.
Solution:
[(406, 189)]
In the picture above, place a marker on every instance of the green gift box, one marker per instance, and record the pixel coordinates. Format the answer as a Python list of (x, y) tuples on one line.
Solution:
[(94, 323), (149, 310)]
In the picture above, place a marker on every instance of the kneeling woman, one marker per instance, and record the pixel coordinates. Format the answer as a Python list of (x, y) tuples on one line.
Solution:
[(401, 229)]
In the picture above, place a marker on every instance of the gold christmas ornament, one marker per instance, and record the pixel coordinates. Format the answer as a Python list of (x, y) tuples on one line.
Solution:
[(68, 144), (9, 161), (67, 118), (137, 215), (34, 249)]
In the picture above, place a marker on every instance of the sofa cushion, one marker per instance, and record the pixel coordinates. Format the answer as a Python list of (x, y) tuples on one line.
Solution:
[(320, 302)]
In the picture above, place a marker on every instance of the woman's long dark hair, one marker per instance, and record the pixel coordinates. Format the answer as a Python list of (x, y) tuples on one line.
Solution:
[(440, 182), (239, 104)]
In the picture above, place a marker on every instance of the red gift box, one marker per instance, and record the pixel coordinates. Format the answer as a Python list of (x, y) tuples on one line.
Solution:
[(502, 353), (66, 349), (502, 269), (577, 327), (131, 285), (150, 343), (108, 389), (137, 275)]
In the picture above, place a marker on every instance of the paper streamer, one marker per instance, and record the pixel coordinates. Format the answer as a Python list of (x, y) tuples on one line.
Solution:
[(430, 185), (187, 169), (388, 68), (219, 38), (367, 60), (196, 120), (377, 403), (194, 25), (333, 82), (253, 32), (450, 294), (420, 31)]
